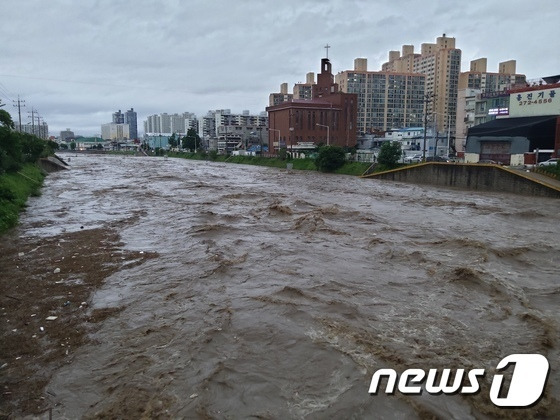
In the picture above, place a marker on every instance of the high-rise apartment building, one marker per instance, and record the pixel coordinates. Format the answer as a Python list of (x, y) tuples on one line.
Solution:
[(479, 78), (131, 119), (441, 63), (118, 117), (66, 135), (279, 97), (115, 131), (483, 96), (466, 111), (386, 100), (305, 90), (40, 130), (225, 130), (168, 124), (207, 126)]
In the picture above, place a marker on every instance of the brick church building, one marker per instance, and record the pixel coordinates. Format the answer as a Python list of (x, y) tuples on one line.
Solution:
[(328, 118)]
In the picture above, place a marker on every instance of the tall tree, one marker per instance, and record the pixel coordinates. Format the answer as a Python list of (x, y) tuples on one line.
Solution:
[(173, 142), (330, 158), (390, 153), (192, 140), (6, 119)]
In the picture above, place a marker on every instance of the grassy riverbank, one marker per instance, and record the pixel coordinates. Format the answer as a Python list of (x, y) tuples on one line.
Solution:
[(15, 188), (349, 168)]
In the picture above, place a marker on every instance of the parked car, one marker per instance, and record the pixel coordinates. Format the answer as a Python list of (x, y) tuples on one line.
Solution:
[(437, 159), (492, 162), (413, 159), (553, 161)]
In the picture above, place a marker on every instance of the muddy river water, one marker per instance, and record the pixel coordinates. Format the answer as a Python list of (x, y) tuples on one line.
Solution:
[(277, 294)]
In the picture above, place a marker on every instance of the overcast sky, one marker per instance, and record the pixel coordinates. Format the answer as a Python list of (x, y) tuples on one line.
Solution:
[(77, 62)]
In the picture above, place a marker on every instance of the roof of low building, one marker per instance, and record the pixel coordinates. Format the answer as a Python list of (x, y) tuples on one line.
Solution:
[(303, 103)]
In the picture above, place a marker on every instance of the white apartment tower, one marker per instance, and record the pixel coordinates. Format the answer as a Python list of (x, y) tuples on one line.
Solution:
[(168, 124), (115, 131)]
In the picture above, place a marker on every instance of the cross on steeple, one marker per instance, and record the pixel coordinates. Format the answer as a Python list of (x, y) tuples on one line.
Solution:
[(327, 48)]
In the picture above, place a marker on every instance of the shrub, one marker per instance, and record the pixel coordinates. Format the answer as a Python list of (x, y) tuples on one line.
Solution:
[(552, 169), (32, 147), (330, 158), (283, 153), (390, 154), (6, 194)]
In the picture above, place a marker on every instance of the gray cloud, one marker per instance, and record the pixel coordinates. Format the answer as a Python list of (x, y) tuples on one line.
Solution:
[(77, 62)]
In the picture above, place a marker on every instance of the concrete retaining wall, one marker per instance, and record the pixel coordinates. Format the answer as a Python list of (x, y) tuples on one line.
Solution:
[(52, 164), (470, 176)]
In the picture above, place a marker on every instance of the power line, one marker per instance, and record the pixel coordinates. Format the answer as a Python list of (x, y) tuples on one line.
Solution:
[(4, 91)]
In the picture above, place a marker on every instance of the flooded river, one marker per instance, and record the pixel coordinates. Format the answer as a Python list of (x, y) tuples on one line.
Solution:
[(277, 294)]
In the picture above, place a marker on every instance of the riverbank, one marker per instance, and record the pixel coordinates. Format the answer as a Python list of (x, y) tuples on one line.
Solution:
[(349, 168), (43, 326), (15, 188)]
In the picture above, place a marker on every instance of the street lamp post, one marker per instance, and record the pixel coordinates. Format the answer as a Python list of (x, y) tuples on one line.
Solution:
[(427, 98), (274, 129), (448, 135), (327, 127), (292, 141)]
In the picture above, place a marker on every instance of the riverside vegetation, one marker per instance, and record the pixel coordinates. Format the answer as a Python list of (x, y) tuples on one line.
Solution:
[(327, 160), (20, 176)]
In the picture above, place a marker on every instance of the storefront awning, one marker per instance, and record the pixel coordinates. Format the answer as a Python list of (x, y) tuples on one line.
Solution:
[(541, 131)]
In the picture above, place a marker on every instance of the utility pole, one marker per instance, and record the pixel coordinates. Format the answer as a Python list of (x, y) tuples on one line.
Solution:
[(39, 129), (32, 121), (18, 106), (427, 98)]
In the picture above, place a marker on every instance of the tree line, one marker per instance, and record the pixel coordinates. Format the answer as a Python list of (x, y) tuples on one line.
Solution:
[(18, 148)]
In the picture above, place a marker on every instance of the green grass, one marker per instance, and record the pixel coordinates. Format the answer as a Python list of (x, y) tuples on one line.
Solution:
[(353, 168), (349, 168), (15, 188), (552, 169)]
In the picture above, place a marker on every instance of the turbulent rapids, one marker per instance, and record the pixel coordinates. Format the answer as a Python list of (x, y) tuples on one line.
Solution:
[(277, 294)]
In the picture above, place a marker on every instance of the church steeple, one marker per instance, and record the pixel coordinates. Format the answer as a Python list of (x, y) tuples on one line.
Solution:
[(325, 80), (326, 66)]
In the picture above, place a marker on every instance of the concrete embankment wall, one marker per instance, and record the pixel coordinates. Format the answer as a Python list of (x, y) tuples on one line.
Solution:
[(471, 177), (52, 164)]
